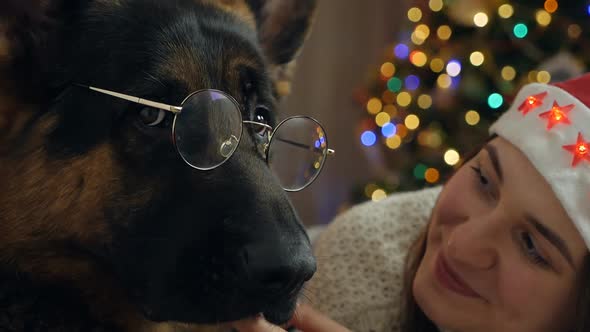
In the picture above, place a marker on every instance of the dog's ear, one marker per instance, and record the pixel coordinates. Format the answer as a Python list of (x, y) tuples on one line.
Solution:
[(26, 27), (283, 26), (23, 30), (29, 42)]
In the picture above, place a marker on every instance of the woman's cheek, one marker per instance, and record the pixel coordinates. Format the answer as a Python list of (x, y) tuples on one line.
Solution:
[(518, 290), (455, 199)]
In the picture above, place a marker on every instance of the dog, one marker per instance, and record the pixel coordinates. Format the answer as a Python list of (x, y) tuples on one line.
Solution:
[(102, 226)]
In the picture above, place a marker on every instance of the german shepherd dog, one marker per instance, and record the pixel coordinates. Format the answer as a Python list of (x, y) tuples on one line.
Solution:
[(102, 226)]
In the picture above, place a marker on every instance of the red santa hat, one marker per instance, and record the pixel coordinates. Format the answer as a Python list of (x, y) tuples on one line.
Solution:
[(550, 124)]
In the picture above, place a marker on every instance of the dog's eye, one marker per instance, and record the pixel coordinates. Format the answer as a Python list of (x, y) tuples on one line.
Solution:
[(261, 115), (152, 117)]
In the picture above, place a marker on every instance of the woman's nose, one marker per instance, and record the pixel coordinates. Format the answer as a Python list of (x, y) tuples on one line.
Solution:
[(474, 244)]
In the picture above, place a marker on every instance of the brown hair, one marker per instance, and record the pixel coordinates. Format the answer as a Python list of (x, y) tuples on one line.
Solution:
[(413, 318)]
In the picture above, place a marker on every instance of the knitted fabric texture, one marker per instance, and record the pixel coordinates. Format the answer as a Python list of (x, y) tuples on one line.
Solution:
[(361, 257)]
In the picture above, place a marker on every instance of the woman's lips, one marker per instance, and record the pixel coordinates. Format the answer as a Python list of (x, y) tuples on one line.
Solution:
[(450, 279)]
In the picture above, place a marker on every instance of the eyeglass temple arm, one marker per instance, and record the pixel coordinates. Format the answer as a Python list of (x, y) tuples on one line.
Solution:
[(162, 106), (301, 145)]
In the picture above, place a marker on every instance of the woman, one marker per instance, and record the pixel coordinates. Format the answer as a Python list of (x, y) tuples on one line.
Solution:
[(504, 246)]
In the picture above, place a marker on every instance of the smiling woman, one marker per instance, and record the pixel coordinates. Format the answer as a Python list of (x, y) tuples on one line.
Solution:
[(501, 252), (502, 246)]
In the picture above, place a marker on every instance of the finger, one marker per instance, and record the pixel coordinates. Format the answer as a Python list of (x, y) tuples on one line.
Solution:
[(310, 320), (256, 325)]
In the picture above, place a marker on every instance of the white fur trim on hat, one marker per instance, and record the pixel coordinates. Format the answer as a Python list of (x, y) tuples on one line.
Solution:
[(547, 149)]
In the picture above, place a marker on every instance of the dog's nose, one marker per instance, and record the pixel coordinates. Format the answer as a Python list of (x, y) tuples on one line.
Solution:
[(277, 271)]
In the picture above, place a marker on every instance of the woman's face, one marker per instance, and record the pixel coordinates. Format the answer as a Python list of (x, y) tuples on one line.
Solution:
[(501, 252)]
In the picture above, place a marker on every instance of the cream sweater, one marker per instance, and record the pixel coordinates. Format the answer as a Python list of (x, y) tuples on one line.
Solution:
[(361, 256)]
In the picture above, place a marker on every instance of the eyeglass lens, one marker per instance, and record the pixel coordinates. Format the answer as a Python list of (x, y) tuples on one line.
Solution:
[(297, 152), (208, 129)]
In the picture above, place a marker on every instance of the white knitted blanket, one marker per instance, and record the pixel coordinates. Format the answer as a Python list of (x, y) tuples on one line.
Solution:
[(360, 260)]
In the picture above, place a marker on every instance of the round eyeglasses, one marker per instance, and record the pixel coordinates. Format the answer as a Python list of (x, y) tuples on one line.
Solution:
[(208, 126)]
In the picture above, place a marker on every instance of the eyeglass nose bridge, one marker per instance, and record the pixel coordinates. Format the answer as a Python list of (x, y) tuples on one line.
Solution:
[(269, 137)]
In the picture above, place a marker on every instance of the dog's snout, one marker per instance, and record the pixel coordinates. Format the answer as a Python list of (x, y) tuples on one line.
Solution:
[(277, 271)]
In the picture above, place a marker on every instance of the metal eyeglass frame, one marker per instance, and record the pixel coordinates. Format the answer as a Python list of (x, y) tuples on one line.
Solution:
[(178, 109)]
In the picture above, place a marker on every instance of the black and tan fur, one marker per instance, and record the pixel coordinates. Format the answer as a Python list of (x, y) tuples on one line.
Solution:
[(103, 227)]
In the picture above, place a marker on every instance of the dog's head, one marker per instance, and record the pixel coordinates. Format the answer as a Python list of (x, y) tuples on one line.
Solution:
[(93, 193)]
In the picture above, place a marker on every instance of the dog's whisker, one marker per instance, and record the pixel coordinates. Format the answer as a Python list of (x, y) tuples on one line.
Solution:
[(328, 257), (321, 259), (307, 297), (154, 78), (142, 238), (296, 315)]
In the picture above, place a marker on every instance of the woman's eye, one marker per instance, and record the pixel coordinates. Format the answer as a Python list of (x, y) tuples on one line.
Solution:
[(483, 184), (531, 251), (152, 117), (261, 115), (484, 181)]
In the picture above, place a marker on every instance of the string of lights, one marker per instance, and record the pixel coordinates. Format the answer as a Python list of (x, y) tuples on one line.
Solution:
[(452, 71)]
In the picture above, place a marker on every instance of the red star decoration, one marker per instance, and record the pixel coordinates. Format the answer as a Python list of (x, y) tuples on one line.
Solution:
[(557, 114), (580, 150), (532, 102)]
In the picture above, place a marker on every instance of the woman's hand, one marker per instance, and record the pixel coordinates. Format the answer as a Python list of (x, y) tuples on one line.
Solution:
[(305, 319)]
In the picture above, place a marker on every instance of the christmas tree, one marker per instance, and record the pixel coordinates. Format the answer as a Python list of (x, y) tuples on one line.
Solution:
[(452, 71)]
